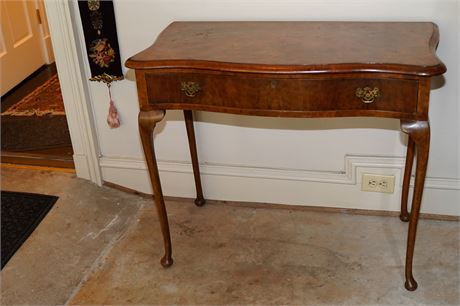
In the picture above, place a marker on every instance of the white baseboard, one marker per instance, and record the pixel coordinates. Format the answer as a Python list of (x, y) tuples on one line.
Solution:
[(286, 186)]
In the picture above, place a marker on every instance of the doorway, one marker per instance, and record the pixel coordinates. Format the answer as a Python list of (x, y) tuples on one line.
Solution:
[(34, 128)]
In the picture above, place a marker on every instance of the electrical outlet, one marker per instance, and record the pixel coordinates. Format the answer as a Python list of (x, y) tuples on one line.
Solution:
[(378, 183)]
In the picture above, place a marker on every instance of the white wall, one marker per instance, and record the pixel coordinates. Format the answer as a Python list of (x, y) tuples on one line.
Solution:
[(292, 161)]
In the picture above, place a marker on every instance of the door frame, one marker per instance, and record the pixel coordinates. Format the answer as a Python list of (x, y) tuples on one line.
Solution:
[(75, 92)]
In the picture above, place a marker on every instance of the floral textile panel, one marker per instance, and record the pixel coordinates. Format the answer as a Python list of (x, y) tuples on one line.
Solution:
[(101, 52), (99, 27)]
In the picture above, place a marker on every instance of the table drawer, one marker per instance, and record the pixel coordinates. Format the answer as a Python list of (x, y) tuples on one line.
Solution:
[(222, 92)]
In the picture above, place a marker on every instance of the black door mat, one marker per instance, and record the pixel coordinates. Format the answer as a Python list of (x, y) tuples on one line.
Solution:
[(28, 133), (20, 215)]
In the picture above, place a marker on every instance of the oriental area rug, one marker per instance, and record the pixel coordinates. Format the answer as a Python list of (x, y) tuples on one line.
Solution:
[(46, 99), (36, 121)]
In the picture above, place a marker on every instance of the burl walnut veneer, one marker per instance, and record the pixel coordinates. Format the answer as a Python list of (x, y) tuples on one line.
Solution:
[(292, 69)]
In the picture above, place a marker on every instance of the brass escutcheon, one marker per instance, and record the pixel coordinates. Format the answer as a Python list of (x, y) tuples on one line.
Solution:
[(367, 94), (190, 88)]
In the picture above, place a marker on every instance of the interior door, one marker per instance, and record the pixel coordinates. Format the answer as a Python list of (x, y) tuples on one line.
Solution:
[(21, 51)]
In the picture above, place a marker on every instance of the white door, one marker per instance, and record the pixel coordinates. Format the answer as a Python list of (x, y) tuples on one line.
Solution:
[(21, 51)]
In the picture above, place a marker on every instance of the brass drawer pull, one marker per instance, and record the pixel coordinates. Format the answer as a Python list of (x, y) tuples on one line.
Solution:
[(190, 88), (367, 94)]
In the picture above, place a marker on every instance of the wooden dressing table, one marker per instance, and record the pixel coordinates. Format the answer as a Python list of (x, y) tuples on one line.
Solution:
[(291, 69)]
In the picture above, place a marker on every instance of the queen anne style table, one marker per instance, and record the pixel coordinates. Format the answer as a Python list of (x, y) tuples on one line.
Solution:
[(292, 69)]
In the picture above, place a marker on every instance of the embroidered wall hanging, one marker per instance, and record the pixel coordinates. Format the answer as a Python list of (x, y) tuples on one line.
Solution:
[(100, 30)]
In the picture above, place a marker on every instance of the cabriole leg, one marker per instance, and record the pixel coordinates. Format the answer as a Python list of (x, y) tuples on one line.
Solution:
[(404, 216), (188, 115), (419, 131), (147, 123)]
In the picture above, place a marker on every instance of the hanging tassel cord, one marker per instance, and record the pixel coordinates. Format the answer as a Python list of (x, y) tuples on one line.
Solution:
[(113, 119)]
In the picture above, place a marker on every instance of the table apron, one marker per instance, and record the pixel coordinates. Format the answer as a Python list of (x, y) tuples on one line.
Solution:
[(285, 96)]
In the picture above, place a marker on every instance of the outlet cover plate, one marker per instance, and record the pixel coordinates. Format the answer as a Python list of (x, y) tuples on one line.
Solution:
[(378, 183)]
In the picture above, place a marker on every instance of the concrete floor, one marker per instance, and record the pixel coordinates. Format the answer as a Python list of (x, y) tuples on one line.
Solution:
[(102, 246)]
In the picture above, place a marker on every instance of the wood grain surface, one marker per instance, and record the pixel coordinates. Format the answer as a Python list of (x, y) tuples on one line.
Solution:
[(309, 47)]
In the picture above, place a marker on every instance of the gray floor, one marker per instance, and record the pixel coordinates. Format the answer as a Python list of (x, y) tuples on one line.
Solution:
[(102, 246)]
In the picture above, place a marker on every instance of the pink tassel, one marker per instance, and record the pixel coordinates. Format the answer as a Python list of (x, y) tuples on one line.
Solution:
[(113, 120)]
